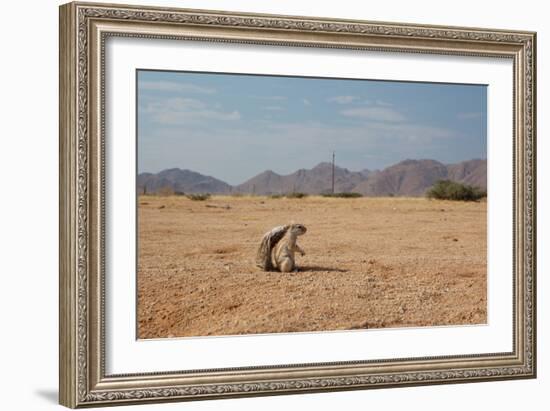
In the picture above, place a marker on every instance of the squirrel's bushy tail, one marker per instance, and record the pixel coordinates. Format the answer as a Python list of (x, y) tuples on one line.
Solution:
[(269, 240)]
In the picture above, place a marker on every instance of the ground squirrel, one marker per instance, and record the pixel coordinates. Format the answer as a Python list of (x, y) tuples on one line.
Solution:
[(278, 246)]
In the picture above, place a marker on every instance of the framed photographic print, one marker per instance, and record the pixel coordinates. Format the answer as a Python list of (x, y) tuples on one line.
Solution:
[(259, 204)]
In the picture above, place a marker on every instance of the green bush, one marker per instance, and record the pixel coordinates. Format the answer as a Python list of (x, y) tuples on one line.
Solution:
[(343, 195), (451, 190), (296, 195), (198, 197)]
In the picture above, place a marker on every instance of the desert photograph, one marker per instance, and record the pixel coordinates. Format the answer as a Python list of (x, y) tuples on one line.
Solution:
[(271, 204)]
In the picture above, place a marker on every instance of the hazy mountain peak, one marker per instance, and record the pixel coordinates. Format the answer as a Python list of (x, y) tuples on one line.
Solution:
[(179, 180), (269, 172), (323, 164)]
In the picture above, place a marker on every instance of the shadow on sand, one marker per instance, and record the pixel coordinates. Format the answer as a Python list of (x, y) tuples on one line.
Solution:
[(306, 268)]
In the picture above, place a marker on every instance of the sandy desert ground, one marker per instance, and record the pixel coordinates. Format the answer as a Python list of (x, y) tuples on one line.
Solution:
[(370, 263)]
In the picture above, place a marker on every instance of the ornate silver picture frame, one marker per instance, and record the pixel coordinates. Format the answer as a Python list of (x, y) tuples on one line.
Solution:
[(84, 30)]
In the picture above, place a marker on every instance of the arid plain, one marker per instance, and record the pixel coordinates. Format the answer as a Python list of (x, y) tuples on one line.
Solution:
[(369, 263)]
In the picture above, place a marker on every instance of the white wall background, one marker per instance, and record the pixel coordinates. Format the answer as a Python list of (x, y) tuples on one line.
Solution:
[(28, 205)]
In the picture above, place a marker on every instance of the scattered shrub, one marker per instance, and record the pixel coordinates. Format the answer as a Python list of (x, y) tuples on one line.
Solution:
[(276, 196), (296, 195), (198, 197), (165, 191), (451, 190), (343, 195)]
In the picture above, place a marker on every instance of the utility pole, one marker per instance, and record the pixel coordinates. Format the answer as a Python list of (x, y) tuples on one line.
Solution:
[(333, 172)]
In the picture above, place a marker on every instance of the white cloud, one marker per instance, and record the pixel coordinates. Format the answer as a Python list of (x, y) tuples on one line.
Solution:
[(175, 111), (383, 103), (174, 87), (469, 115), (306, 102), (273, 108), (375, 133), (272, 98), (342, 99), (382, 114)]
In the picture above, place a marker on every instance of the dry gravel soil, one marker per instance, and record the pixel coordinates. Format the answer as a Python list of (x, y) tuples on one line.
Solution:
[(370, 263)]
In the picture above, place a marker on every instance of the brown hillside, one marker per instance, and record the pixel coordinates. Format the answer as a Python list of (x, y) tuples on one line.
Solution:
[(473, 172), (408, 178), (313, 181)]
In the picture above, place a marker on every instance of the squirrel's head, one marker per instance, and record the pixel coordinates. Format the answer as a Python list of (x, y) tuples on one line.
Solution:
[(298, 229)]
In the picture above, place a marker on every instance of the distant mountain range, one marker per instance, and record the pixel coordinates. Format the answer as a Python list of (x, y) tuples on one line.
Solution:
[(314, 181), (407, 178)]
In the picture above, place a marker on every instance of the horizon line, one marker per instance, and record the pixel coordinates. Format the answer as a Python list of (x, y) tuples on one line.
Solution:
[(318, 164)]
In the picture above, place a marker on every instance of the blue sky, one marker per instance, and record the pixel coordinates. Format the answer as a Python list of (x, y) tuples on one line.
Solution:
[(233, 127)]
